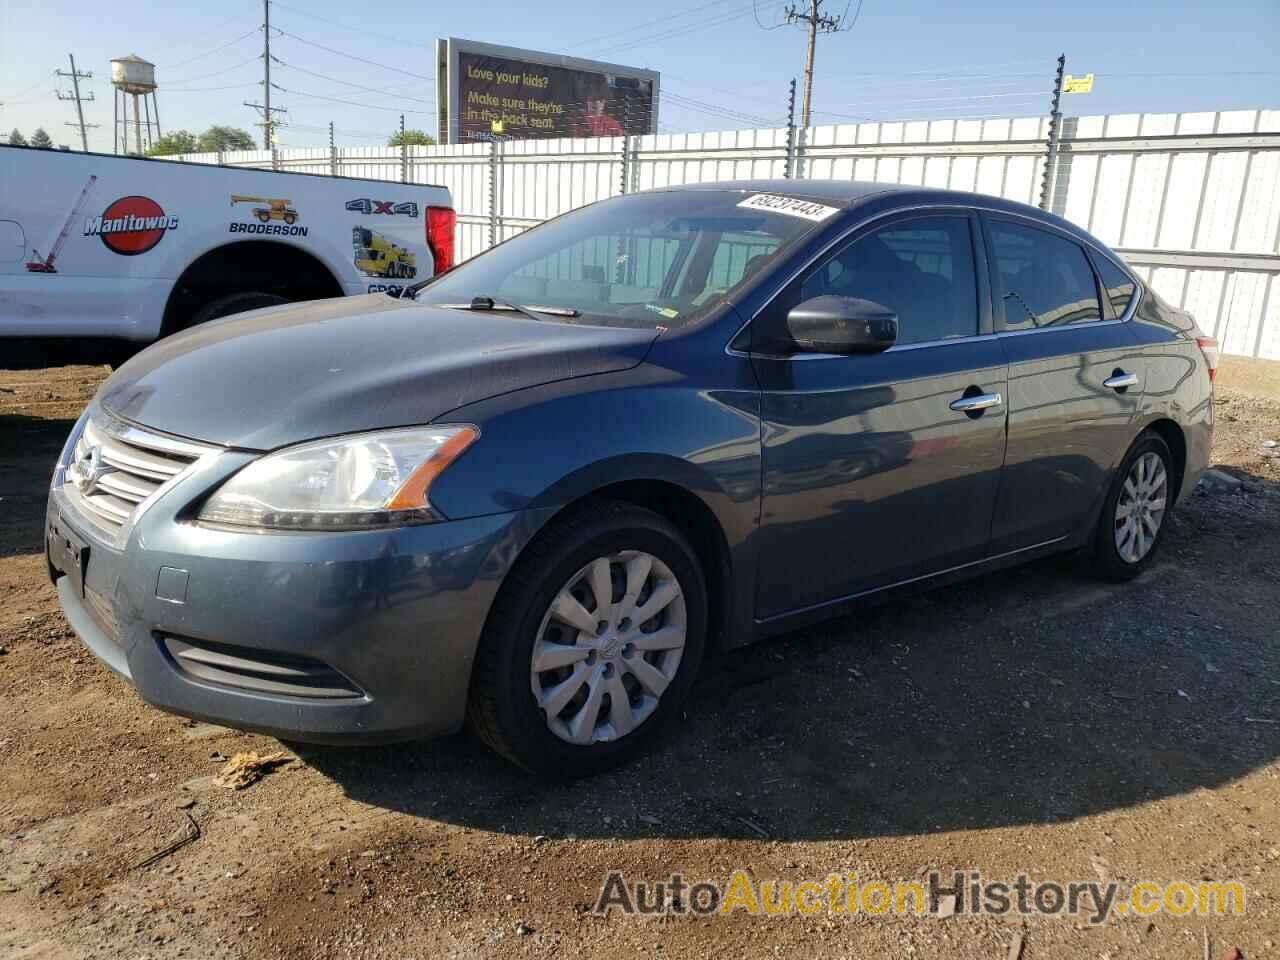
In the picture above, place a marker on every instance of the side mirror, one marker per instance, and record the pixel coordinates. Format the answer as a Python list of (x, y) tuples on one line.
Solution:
[(831, 324)]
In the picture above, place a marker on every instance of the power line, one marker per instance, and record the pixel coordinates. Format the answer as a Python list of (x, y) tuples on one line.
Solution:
[(346, 26), (230, 86), (218, 73), (683, 30), (351, 56), (350, 103), (648, 23), (1022, 95), (39, 83), (358, 86), (710, 108), (207, 53)]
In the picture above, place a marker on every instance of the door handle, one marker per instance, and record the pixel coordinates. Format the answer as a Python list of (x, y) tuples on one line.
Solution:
[(1121, 381), (980, 402)]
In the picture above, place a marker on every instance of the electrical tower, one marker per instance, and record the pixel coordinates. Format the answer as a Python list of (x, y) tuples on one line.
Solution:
[(816, 22), (267, 111), (75, 76)]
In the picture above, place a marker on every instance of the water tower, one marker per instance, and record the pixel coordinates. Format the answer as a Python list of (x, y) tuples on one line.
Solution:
[(134, 77)]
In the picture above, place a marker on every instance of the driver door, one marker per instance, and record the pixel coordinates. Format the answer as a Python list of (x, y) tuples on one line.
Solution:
[(871, 476)]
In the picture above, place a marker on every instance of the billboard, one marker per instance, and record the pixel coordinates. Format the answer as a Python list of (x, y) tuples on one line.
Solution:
[(487, 91)]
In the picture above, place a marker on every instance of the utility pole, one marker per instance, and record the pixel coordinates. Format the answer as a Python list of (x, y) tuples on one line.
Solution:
[(1051, 150), (265, 108), (816, 21), (76, 76)]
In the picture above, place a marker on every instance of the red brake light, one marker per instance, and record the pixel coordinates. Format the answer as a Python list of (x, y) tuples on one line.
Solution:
[(440, 226), (1209, 347)]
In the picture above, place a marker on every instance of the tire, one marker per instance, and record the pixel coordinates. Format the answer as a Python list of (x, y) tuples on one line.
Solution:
[(234, 303), (503, 708), (1118, 557)]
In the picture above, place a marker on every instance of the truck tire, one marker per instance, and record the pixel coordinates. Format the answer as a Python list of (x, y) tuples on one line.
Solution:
[(234, 303)]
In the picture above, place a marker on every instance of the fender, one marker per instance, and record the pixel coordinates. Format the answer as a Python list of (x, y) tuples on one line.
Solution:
[(705, 442)]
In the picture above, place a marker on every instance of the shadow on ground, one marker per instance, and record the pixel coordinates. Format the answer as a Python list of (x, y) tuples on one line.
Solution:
[(29, 447), (1035, 695)]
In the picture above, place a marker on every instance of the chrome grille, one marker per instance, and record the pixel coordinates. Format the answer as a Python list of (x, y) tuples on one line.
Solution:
[(115, 467)]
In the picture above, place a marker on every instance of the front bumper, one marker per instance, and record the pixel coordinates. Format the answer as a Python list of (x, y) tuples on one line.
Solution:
[(321, 637)]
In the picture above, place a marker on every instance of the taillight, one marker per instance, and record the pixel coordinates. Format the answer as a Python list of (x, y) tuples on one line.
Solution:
[(440, 225), (1209, 347)]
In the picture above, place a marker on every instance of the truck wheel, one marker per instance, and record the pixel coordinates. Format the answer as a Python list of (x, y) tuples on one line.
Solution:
[(234, 303)]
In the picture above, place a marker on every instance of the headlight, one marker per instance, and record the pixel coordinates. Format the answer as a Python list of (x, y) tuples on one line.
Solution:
[(68, 449), (344, 483)]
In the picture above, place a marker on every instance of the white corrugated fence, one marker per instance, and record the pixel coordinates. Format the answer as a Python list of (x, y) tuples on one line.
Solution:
[(1191, 200)]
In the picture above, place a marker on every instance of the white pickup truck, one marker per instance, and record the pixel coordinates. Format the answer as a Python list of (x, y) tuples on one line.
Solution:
[(129, 249)]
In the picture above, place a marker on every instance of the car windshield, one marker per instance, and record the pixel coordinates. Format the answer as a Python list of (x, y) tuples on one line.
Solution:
[(649, 260)]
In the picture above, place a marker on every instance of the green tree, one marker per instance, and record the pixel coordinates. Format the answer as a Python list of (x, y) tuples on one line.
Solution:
[(412, 138), (179, 141), (41, 139), (16, 139), (224, 138)]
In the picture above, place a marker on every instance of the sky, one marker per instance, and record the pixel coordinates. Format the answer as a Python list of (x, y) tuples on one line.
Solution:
[(725, 64)]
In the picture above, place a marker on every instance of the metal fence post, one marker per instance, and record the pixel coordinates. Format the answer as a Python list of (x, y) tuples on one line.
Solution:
[(495, 163), (333, 153), (791, 131), (1051, 148), (404, 154), (626, 163)]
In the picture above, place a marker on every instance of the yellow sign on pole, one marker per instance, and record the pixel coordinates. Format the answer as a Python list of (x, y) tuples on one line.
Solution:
[(1072, 84)]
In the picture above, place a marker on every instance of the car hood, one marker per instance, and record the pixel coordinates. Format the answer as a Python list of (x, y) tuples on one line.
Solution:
[(272, 377)]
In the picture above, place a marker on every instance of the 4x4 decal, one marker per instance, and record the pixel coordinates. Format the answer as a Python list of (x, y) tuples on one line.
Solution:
[(408, 209)]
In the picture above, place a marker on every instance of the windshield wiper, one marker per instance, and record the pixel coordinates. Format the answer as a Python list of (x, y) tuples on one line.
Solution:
[(531, 311)]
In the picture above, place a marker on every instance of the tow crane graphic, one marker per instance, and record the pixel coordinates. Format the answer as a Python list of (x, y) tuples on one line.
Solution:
[(37, 265), (274, 209)]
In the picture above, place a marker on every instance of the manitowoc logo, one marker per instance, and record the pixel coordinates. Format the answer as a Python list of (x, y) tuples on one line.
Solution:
[(131, 225)]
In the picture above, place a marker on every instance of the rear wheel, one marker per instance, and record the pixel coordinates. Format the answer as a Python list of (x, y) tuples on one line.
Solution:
[(593, 643), (235, 303), (1133, 518)]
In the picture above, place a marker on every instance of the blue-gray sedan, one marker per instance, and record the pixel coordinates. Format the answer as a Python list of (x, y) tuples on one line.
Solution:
[(534, 492)]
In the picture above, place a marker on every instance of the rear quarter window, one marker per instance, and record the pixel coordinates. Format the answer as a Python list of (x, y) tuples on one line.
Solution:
[(1045, 278), (1117, 285)]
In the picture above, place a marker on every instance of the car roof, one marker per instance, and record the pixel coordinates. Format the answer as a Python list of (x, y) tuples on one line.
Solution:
[(850, 194)]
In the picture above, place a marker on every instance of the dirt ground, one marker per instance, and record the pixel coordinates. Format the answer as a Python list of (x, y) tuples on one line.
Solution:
[(1032, 721)]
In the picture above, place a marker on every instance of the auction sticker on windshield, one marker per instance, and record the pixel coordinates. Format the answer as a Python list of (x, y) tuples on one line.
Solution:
[(791, 206)]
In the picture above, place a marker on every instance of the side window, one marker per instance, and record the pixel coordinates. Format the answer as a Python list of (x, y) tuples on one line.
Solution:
[(1045, 280), (922, 269), (1119, 285)]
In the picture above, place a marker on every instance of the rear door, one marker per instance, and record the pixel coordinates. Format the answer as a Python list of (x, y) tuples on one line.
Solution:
[(1075, 382), (872, 475)]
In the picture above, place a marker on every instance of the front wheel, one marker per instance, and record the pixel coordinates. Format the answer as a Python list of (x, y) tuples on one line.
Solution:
[(593, 643), (1133, 518)]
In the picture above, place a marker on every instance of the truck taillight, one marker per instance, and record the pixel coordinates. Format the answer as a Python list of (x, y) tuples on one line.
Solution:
[(1209, 347), (440, 224)]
